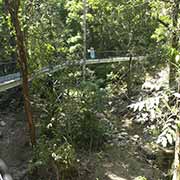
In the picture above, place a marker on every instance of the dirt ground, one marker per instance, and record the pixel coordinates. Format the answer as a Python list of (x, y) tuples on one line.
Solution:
[(124, 158), (127, 158), (15, 149), (130, 155)]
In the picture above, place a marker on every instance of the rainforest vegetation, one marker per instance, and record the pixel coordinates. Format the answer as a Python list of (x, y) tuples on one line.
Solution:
[(89, 89)]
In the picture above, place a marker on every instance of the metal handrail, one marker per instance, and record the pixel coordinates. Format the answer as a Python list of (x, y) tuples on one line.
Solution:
[(18, 81), (6, 62)]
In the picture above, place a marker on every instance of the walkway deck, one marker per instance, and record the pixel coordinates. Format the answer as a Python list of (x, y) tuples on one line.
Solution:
[(14, 80)]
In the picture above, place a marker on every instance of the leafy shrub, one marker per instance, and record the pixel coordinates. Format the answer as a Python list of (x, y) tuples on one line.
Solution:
[(168, 133), (63, 154), (72, 118), (162, 111)]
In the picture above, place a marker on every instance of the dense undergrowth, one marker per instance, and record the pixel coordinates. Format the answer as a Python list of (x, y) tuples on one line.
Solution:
[(74, 117)]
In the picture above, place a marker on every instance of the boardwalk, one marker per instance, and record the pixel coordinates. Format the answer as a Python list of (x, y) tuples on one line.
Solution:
[(14, 80), (9, 77)]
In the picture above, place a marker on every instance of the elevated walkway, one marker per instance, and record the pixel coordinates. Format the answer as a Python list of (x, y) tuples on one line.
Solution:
[(14, 80)]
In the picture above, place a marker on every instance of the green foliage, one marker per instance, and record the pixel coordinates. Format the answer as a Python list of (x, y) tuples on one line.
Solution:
[(55, 154), (110, 25), (161, 111), (53, 29), (165, 12), (62, 153), (7, 45), (73, 118), (73, 114)]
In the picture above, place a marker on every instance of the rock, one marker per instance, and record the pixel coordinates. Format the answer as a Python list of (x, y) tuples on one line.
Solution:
[(123, 130), (115, 131), (7, 177), (3, 167), (2, 123), (147, 152), (123, 143), (120, 137), (140, 120), (123, 134), (109, 141), (135, 138), (112, 144), (137, 121)]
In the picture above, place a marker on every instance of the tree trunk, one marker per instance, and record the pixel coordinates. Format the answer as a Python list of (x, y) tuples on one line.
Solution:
[(13, 8), (176, 173), (84, 38), (174, 44)]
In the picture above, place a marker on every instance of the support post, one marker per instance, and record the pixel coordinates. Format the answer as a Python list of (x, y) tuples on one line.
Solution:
[(129, 80)]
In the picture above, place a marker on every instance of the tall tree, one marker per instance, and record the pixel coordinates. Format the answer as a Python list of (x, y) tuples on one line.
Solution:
[(167, 13), (13, 9), (175, 13)]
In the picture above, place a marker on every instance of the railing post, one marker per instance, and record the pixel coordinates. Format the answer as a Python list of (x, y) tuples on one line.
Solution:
[(129, 80)]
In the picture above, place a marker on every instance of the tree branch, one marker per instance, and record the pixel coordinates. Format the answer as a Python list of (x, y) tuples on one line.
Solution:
[(163, 23)]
